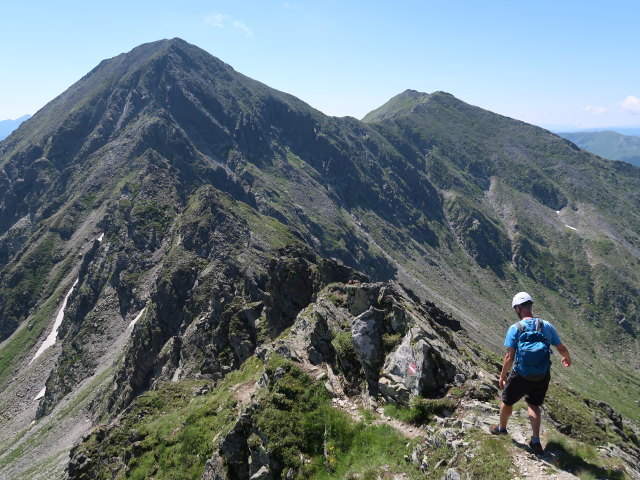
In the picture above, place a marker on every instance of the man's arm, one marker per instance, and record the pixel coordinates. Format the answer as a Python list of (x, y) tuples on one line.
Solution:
[(506, 365), (566, 358)]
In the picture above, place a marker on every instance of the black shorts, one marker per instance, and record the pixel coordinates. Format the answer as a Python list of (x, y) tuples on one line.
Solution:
[(517, 387)]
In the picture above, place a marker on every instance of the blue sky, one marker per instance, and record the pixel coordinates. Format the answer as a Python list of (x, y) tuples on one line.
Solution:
[(551, 63)]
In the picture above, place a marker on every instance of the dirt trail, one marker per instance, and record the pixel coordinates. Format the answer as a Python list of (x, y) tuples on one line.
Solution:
[(482, 415), (530, 466)]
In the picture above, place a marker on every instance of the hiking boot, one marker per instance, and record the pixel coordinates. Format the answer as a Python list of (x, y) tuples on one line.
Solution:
[(536, 447), (495, 430)]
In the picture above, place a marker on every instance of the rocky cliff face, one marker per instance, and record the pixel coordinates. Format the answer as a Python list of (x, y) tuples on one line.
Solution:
[(202, 213)]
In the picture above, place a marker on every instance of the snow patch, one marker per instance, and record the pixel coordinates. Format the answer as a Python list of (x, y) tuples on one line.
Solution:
[(572, 228), (135, 320), (41, 393), (101, 237), (51, 339), (558, 212)]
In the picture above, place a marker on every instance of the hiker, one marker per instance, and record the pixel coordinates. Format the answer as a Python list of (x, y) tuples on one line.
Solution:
[(528, 345)]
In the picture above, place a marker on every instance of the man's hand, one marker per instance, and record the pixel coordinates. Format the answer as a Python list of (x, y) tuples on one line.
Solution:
[(501, 382), (566, 358)]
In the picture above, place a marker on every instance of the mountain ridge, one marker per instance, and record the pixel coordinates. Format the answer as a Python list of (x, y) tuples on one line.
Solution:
[(212, 195)]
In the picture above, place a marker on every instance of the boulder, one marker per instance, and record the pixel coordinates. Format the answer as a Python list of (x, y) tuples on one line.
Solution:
[(451, 474), (311, 334), (394, 390), (366, 331), (422, 363)]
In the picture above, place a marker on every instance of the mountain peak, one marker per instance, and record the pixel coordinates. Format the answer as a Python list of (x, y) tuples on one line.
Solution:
[(403, 104), (141, 55)]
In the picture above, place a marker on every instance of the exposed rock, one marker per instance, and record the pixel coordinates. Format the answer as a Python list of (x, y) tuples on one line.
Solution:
[(422, 362), (482, 391), (214, 469), (361, 297), (78, 466), (263, 474), (393, 388), (233, 448), (207, 184), (452, 474), (459, 379), (315, 329), (366, 331), (259, 458)]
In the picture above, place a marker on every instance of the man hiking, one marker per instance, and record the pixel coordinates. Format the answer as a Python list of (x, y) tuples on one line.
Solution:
[(528, 345)]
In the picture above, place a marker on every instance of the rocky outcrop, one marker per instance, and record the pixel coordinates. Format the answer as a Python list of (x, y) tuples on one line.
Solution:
[(480, 236), (422, 363), (377, 330), (366, 336), (349, 332), (214, 469)]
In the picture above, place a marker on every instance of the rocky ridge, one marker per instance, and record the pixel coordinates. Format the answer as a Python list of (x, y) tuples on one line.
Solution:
[(351, 332)]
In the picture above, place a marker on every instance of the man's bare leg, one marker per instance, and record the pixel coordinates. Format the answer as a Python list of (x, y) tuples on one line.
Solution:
[(535, 417), (505, 413)]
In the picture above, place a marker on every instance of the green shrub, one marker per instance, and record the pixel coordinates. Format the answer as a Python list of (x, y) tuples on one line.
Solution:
[(390, 341), (420, 410), (343, 343)]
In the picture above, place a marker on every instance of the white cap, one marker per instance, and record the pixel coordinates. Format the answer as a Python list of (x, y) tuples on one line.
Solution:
[(520, 298)]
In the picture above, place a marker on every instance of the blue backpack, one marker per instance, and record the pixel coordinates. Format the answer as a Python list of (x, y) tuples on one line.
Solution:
[(533, 352)]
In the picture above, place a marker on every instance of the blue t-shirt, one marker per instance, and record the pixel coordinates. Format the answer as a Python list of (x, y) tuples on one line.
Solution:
[(548, 330)]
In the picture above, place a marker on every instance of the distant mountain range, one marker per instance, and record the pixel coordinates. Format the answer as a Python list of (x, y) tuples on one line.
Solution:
[(8, 126), (609, 144), (632, 131)]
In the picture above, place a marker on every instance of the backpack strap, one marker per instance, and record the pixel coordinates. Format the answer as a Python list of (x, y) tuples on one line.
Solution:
[(521, 326)]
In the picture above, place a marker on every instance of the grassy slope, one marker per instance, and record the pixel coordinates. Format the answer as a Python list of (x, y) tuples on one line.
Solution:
[(167, 433), (173, 427)]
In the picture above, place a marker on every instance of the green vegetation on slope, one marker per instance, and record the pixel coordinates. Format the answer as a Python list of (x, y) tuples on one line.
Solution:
[(296, 417), (166, 433), (458, 199), (15, 349), (582, 459)]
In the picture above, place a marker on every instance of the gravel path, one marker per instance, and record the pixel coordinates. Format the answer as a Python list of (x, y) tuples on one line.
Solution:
[(529, 465)]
